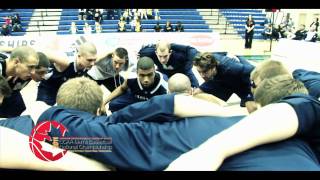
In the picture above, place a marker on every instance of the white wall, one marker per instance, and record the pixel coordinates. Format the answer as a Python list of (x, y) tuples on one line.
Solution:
[(302, 16)]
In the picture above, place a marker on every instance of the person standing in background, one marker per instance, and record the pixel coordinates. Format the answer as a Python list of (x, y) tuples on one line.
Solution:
[(249, 32)]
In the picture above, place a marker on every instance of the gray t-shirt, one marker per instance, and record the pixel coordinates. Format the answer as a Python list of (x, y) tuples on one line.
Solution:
[(102, 70)]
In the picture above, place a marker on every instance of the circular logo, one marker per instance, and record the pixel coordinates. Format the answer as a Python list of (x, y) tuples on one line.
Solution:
[(40, 136), (201, 40)]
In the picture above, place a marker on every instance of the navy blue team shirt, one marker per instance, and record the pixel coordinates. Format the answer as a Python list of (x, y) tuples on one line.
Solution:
[(136, 93), (232, 77), (310, 79), (180, 61), (48, 89), (146, 136)]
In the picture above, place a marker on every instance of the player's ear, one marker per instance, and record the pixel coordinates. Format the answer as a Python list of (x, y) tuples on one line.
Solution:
[(98, 112), (190, 91), (258, 105), (101, 111)]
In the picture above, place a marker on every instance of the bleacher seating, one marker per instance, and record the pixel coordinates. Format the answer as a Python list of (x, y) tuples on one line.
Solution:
[(190, 19), (237, 18), (25, 16)]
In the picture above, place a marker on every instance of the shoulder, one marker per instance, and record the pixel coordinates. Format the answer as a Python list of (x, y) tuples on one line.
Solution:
[(148, 49), (306, 107)]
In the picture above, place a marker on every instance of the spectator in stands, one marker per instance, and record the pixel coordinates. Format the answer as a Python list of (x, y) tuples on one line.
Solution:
[(156, 14), (138, 26), (282, 30), (73, 28), (118, 12), (5, 30), (301, 33), (98, 15), (179, 27), (16, 23), (127, 15), (135, 13), (316, 23), (157, 27), (168, 27), (110, 14), (133, 23), (143, 13), (122, 25), (149, 14), (278, 32), (290, 24), (249, 31), (98, 27), (7, 20), (82, 14), (87, 28), (266, 21), (312, 35), (90, 14), (290, 33), (267, 32)]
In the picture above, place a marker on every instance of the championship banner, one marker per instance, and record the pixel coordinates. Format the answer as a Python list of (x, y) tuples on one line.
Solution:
[(109, 41)]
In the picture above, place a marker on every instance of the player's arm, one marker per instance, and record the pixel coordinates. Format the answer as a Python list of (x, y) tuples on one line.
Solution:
[(188, 106), (210, 98), (274, 122), (197, 91), (117, 92), (60, 60), (251, 106)]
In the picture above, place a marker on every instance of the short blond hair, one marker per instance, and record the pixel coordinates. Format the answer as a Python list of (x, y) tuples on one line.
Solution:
[(273, 89), (80, 93), (163, 46), (269, 69), (23, 53), (87, 48)]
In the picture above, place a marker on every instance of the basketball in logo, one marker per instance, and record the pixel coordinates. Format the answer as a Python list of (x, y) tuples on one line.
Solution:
[(39, 140)]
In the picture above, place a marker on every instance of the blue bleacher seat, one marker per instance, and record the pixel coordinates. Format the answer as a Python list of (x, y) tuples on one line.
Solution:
[(190, 18), (25, 16), (237, 18)]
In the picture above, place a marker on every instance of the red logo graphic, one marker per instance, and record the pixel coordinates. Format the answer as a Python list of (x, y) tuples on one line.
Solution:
[(201, 40), (38, 137)]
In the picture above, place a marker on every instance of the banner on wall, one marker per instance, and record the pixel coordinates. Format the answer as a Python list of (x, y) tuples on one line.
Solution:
[(109, 41)]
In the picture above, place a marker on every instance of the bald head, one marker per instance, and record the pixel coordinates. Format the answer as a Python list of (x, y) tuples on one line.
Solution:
[(179, 83), (87, 49)]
